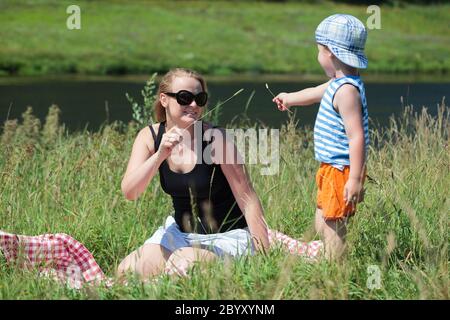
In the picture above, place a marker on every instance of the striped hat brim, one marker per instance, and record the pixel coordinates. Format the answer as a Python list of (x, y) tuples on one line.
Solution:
[(353, 59)]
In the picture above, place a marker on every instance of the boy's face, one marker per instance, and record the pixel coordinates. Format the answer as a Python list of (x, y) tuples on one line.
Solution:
[(325, 58)]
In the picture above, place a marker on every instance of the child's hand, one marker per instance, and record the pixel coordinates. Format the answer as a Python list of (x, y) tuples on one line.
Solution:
[(353, 191), (281, 101)]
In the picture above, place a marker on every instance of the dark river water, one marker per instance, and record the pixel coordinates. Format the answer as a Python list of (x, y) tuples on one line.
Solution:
[(83, 100)]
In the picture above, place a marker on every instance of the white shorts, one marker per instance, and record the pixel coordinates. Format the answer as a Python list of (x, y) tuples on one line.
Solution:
[(236, 242)]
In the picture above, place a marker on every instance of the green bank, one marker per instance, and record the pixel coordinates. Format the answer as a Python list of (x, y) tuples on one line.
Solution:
[(215, 38)]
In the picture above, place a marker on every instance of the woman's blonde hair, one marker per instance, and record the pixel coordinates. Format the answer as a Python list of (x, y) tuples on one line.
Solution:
[(166, 84)]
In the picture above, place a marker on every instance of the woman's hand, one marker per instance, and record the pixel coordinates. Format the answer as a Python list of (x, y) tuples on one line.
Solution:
[(169, 140), (282, 101)]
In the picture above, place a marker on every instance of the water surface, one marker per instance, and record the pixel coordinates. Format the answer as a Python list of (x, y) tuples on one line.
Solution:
[(90, 101)]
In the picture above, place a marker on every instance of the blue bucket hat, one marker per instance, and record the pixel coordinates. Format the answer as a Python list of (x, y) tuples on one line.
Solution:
[(345, 36)]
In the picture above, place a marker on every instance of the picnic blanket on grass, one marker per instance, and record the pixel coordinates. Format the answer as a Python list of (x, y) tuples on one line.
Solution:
[(57, 255)]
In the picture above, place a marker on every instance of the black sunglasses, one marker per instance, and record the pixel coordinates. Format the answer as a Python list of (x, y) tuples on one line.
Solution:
[(185, 97)]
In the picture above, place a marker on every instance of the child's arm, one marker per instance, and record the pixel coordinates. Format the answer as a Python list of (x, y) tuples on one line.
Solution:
[(303, 97), (348, 103)]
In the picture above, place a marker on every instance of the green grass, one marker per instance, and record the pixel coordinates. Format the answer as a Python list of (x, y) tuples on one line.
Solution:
[(220, 38), (52, 182)]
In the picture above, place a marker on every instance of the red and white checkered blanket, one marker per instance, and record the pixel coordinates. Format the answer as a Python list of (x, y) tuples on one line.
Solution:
[(65, 259), (57, 255), (311, 250)]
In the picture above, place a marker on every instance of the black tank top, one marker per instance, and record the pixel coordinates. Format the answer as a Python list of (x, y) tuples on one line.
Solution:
[(202, 198)]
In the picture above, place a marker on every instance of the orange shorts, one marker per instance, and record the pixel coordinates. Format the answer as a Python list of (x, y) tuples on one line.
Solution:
[(330, 194)]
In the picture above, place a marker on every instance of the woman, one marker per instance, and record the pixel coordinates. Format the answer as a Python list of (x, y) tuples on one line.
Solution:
[(216, 209)]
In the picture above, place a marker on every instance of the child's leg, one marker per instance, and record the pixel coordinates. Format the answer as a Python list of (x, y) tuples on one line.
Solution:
[(332, 211), (333, 234), (319, 222)]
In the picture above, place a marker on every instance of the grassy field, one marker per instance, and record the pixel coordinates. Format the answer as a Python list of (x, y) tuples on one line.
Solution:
[(54, 182), (219, 38)]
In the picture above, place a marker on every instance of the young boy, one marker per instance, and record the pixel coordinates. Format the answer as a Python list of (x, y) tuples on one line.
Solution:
[(341, 133)]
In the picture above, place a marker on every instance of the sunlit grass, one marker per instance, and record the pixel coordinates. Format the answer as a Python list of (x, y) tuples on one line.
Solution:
[(52, 182)]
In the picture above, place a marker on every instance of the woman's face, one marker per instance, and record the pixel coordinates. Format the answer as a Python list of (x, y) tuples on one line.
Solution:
[(182, 114)]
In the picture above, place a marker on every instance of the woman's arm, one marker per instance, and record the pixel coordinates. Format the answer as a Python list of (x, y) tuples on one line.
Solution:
[(243, 191), (145, 161), (142, 166), (249, 203)]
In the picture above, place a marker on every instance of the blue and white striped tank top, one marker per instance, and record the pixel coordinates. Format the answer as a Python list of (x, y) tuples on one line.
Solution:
[(330, 141)]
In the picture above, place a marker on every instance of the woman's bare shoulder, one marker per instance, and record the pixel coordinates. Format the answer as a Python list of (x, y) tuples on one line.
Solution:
[(145, 136)]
